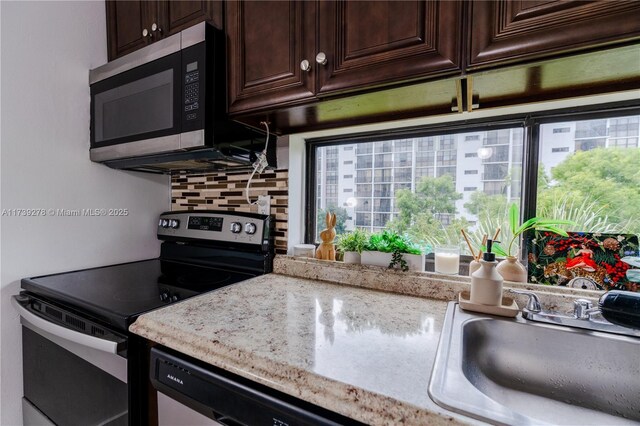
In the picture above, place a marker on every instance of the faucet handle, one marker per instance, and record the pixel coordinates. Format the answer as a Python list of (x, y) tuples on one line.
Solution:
[(533, 304), (583, 309)]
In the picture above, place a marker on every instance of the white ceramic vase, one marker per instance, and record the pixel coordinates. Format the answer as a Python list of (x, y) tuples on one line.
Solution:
[(351, 257), (512, 270), (474, 265)]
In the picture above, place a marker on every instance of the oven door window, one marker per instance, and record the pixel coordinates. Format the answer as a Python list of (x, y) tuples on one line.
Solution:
[(139, 104)]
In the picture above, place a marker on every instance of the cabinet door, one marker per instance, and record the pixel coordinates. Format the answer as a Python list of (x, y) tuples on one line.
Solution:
[(126, 21), (504, 31), (381, 42), (267, 41), (175, 16)]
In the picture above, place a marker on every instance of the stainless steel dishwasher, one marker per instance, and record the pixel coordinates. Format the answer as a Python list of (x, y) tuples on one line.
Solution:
[(230, 399)]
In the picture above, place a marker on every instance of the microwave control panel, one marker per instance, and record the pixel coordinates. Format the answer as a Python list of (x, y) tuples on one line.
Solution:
[(192, 91), (193, 73)]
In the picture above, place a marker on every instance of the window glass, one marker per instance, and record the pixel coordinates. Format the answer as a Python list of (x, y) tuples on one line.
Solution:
[(426, 187), (589, 174)]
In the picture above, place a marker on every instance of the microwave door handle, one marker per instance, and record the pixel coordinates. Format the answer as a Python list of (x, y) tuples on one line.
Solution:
[(62, 332)]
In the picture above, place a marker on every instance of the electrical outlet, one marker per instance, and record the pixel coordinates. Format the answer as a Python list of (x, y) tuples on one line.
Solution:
[(264, 204)]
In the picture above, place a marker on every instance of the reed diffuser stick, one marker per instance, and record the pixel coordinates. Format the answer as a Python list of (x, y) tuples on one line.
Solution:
[(495, 237), (464, 234), (484, 242)]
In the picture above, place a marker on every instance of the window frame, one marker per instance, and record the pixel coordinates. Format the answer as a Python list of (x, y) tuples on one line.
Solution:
[(529, 122)]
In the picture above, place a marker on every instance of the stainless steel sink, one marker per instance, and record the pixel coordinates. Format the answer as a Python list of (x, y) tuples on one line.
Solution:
[(516, 372)]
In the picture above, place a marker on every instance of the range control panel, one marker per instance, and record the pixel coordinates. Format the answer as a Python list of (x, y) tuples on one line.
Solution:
[(232, 227)]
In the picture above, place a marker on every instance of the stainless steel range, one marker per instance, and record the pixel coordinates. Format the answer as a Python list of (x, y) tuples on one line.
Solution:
[(81, 365)]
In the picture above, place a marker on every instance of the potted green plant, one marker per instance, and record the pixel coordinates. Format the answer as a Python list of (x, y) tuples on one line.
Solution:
[(351, 245), (510, 268), (393, 250)]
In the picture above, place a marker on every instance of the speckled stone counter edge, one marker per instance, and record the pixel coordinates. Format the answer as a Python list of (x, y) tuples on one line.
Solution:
[(365, 406), (425, 284)]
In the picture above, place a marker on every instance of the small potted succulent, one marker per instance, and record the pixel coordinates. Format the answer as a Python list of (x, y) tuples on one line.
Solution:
[(510, 268), (351, 245), (393, 250)]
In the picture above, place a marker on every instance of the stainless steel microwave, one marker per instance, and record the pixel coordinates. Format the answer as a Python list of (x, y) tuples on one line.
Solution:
[(163, 109)]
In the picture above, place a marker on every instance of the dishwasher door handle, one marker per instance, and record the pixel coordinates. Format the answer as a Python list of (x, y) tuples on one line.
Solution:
[(63, 332)]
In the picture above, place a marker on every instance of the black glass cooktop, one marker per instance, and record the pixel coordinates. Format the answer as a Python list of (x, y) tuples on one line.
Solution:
[(117, 294)]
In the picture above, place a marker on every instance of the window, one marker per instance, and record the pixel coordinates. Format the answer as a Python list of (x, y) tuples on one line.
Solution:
[(428, 185), (495, 172), (364, 162), (403, 174), (402, 159), (392, 178), (499, 153), (497, 137), (363, 190), (446, 158), (347, 177), (383, 160), (494, 188), (591, 185), (382, 175), (382, 205), (363, 176), (589, 144)]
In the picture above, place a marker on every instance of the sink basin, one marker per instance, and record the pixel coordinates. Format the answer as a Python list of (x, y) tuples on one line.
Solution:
[(517, 372)]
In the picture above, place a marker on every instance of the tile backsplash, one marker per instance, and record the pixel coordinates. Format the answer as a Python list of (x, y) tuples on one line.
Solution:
[(226, 191)]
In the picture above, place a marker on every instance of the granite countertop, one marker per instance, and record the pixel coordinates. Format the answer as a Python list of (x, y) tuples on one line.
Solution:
[(363, 353), (357, 340)]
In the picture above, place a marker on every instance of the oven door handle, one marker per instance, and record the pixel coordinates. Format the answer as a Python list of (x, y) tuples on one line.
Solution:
[(63, 332)]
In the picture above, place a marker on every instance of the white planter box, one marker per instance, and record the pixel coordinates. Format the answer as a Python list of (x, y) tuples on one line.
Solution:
[(376, 258), (415, 262), (352, 257)]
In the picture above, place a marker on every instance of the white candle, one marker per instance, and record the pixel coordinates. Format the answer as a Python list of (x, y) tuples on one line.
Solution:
[(447, 263)]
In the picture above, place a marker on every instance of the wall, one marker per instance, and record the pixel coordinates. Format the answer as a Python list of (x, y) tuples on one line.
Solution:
[(226, 191), (47, 49)]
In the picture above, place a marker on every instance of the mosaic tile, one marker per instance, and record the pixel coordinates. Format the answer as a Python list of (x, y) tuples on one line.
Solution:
[(225, 191)]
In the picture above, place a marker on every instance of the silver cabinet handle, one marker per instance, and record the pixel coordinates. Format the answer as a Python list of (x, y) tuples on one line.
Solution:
[(145, 33), (321, 58), (64, 333), (305, 66), (155, 27)]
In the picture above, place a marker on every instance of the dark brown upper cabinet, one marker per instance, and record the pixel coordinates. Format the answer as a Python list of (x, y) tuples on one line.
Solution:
[(126, 21), (178, 15), (284, 53), (509, 31), (267, 42), (379, 42), (135, 24)]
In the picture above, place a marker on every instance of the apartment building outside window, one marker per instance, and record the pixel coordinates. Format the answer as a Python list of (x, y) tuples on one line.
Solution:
[(483, 172)]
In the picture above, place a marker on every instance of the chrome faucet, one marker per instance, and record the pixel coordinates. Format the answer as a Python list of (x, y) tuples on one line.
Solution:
[(584, 314)]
